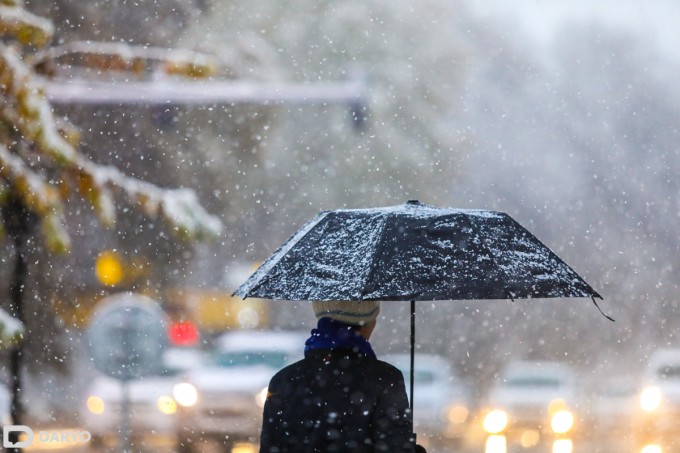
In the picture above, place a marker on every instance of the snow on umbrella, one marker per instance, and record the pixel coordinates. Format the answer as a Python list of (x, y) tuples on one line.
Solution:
[(413, 252)]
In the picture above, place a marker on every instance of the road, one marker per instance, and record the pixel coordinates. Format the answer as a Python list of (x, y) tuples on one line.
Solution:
[(584, 448)]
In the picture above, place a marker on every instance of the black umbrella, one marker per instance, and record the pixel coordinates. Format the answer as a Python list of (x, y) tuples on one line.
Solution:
[(413, 252)]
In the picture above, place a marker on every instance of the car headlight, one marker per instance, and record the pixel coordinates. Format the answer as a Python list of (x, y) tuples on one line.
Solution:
[(457, 414), (95, 405), (563, 446), (650, 399), (496, 444), (495, 421), (243, 447), (562, 421), (261, 397), (166, 405), (185, 394), (556, 405), (651, 448)]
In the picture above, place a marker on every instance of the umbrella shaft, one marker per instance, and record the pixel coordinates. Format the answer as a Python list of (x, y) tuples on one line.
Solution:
[(413, 343)]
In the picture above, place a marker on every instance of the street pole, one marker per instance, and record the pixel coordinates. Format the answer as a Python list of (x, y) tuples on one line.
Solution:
[(352, 92), (225, 92), (20, 224), (125, 416)]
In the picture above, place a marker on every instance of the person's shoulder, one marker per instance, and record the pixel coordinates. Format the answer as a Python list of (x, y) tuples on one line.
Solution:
[(386, 365), (291, 367), (288, 371), (386, 374)]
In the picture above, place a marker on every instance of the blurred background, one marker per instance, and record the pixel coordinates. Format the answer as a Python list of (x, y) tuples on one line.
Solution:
[(562, 114)]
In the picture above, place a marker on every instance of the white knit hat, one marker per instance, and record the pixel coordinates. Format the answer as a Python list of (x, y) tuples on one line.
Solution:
[(356, 313)]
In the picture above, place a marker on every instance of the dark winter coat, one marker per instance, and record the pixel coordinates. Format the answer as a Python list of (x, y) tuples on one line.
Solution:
[(337, 401)]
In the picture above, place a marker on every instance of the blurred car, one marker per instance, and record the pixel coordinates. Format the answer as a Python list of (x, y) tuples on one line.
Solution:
[(658, 417), (442, 400), (221, 403), (531, 405), (152, 408), (611, 416)]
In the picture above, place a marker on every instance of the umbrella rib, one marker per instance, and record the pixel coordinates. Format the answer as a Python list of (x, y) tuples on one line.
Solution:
[(488, 251), (598, 307)]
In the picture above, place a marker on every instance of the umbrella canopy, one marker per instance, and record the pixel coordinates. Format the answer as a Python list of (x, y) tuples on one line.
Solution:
[(413, 252)]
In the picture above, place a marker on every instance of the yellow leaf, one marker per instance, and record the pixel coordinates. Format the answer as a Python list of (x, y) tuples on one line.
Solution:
[(26, 27)]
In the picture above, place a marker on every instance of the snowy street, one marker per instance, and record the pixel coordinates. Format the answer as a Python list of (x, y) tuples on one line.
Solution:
[(323, 225)]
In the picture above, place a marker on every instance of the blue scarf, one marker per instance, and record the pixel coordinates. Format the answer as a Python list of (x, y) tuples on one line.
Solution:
[(332, 334)]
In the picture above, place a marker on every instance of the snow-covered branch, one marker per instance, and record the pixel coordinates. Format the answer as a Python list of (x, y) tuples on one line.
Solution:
[(36, 121), (26, 27), (180, 208), (28, 110), (137, 60), (39, 196)]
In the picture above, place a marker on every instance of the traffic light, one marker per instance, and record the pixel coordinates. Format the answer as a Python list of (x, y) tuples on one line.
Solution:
[(183, 333)]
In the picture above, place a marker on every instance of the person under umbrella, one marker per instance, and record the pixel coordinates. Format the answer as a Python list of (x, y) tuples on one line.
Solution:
[(413, 252), (340, 397)]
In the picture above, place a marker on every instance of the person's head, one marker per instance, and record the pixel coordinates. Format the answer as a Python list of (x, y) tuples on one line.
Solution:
[(361, 315)]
